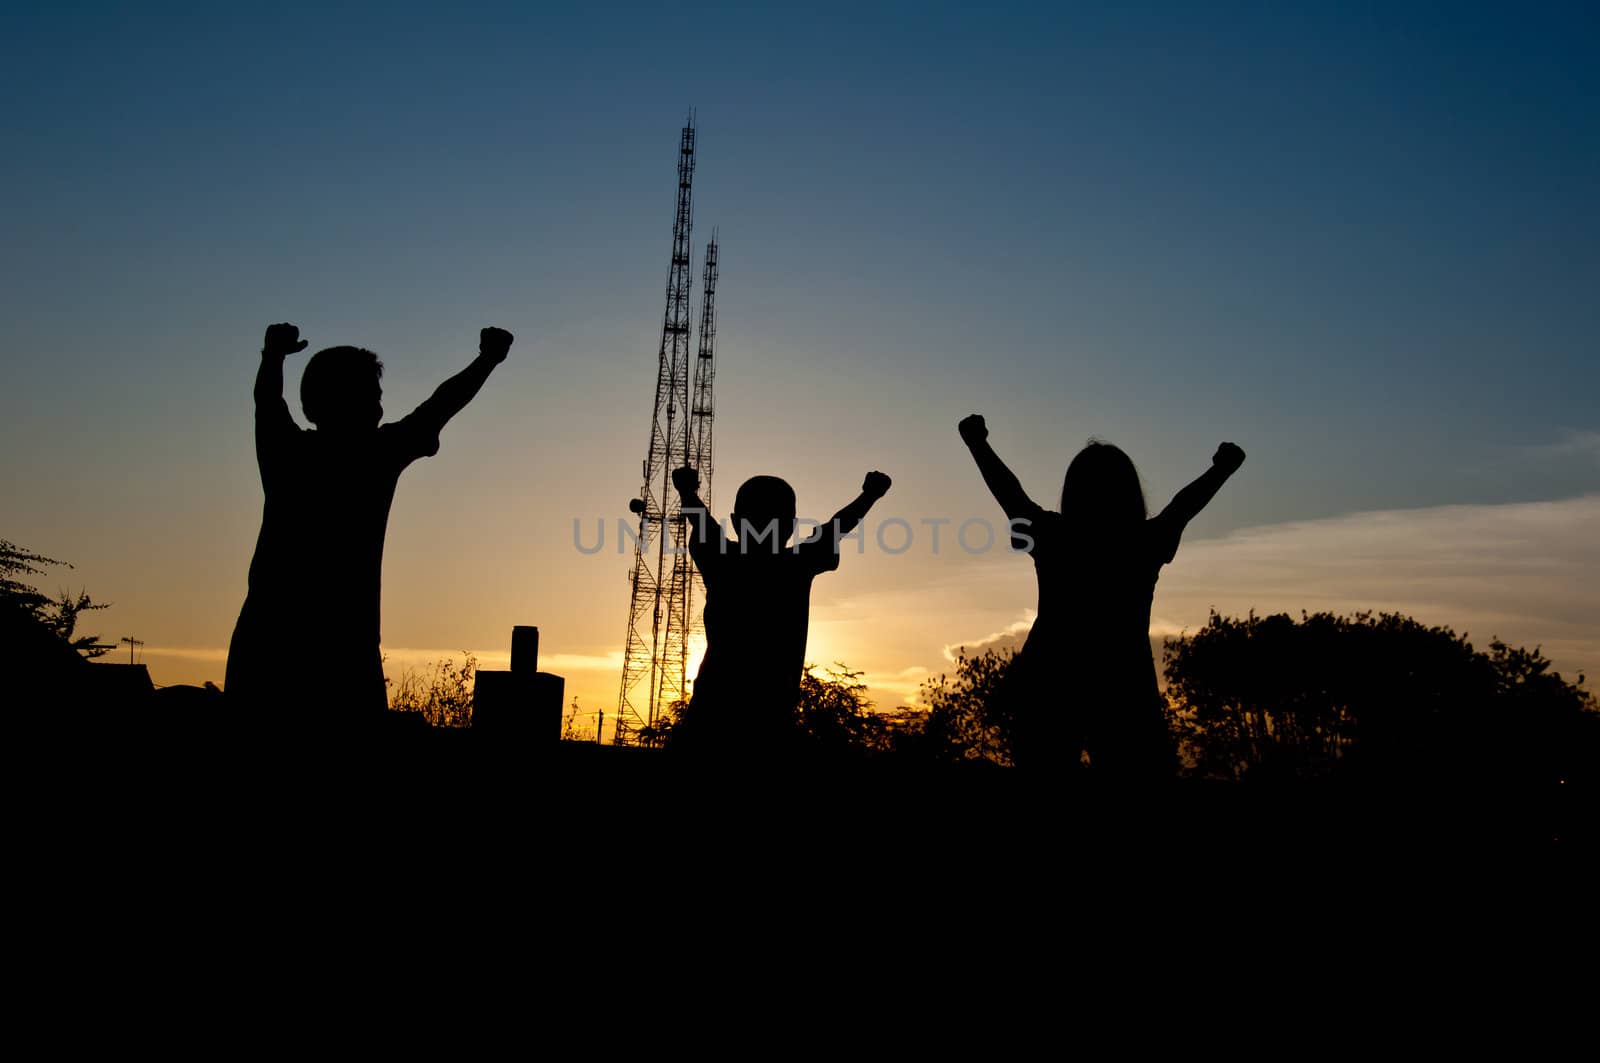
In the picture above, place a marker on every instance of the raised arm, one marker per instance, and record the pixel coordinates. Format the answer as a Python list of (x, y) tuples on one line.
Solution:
[(873, 487), (702, 527), (451, 397), (687, 482), (1003, 483), (274, 423), (826, 544), (1188, 503), (281, 341)]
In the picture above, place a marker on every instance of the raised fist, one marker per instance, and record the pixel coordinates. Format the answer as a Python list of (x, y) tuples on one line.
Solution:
[(686, 480), (876, 484), (973, 430), (282, 339), (494, 343), (1228, 456)]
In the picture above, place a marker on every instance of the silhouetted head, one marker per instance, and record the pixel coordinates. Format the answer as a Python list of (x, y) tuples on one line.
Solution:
[(1101, 489), (761, 501), (340, 389)]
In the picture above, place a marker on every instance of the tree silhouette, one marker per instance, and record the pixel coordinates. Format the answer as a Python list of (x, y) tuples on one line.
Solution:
[(1380, 696), (965, 721), (58, 615), (837, 718)]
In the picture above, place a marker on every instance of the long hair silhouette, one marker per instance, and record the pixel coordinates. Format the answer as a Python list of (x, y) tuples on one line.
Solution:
[(1102, 489)]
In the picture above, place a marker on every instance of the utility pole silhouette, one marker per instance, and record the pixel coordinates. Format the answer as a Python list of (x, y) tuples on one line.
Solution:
[(660, 614)]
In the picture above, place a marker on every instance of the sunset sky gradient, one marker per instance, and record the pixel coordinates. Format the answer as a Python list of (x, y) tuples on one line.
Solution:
[(1363, 242)]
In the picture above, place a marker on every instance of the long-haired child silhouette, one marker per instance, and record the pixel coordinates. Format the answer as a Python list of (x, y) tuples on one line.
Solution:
[(307, 636), (1085, 679), (757, 610)]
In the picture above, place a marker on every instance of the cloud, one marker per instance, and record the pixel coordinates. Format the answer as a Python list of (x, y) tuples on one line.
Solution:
[(186, 653), (1574, 443), (903, 685), (1525, 572), (581, 662), (560, 663), (1009, 637), (397, 659)]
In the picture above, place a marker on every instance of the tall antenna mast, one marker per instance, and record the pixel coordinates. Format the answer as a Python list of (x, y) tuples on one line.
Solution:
[(701, 409), (657, 648)]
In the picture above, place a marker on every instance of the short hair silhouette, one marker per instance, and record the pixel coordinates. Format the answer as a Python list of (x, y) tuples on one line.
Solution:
[(765, 496), (338, 386), (1102, 488), (764, 502)]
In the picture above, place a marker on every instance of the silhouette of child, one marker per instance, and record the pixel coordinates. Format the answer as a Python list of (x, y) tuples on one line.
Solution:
[(1085, 679), (758, 604), (307, 636)]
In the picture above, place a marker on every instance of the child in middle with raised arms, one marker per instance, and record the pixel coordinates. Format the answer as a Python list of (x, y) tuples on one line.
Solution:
[(757, 610)]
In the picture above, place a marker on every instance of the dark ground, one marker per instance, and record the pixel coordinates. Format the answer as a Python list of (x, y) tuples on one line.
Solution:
[(571, 795)]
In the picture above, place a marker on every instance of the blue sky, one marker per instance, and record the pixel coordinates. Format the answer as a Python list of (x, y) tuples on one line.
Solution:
[(1362, 240)]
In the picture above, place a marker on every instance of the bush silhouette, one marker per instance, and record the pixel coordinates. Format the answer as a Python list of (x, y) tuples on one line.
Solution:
[(1382, 696), (441, 693)]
